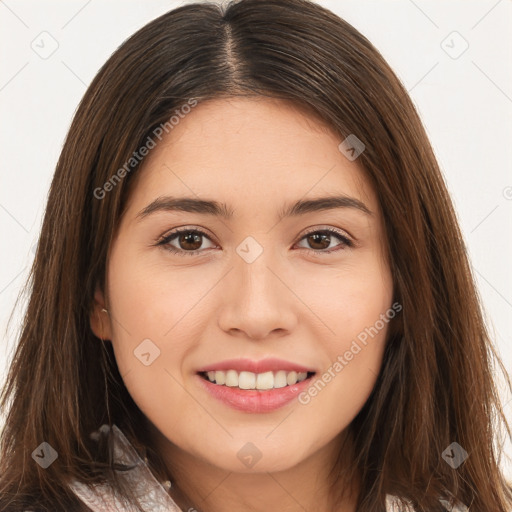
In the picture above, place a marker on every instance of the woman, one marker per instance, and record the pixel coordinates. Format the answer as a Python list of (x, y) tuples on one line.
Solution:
[(250, 290)]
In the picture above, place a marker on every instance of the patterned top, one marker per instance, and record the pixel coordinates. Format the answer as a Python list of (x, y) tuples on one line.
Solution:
[(153, 495)]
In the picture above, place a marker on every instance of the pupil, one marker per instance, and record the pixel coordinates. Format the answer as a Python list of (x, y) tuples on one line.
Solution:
[(190, 238), (315, 238)]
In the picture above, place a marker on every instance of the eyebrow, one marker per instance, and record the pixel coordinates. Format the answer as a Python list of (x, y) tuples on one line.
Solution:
[(218, 209)]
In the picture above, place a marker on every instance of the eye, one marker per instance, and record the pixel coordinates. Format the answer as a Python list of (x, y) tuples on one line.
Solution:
[(321, 240), (189, 241)]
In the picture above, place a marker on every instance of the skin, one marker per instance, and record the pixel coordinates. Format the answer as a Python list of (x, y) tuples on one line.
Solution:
[(255, 155)]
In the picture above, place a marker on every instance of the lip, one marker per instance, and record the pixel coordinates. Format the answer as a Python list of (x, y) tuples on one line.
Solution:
[(254, 401), (249, 365)]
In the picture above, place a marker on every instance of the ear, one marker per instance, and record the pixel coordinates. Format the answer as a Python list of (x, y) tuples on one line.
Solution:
[(99, 318)]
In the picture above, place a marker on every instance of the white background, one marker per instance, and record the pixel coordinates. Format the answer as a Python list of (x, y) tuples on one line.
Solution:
[(465, 103)]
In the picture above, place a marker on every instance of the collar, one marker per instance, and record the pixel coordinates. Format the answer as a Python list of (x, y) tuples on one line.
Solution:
[(152, 494)]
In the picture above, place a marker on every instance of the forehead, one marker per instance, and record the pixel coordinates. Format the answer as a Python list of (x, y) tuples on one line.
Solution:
[(250, 153)]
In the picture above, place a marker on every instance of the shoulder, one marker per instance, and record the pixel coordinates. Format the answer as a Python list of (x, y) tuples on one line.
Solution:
[(395, 504)]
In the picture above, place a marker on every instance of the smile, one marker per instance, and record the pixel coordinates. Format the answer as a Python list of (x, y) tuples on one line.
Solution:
[(259, 381), (255, 386)]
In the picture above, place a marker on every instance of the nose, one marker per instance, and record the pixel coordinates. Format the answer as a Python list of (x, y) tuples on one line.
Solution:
[(257, 300)]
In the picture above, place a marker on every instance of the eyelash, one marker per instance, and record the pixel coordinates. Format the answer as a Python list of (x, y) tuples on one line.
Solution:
[(164, 241)]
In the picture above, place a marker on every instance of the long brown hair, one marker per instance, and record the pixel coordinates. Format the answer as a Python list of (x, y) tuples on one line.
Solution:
[(436, 382)]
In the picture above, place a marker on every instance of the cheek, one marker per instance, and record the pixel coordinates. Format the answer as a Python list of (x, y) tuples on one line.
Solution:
[(153, 326), (349, 298), (152, 301), (153, 331), (355, 303)]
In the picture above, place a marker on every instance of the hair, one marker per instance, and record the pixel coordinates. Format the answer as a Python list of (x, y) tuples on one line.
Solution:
[(436, 382)]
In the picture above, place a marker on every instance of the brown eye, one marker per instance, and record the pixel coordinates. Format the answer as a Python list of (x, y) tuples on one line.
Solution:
[(320, 240), (185, 241), (190, 241)]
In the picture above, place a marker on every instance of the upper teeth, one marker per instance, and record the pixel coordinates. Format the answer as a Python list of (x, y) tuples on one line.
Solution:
[(249, 380)]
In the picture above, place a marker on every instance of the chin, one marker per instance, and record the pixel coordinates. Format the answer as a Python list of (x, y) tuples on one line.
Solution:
[(257, 456)]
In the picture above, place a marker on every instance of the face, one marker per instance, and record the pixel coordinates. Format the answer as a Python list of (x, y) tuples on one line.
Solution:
[(251, 293)]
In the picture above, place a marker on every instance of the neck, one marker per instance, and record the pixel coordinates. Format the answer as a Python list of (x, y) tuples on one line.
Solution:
[(198, 486)]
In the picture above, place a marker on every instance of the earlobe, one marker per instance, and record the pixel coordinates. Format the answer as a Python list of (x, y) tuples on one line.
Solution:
[(99, 317)]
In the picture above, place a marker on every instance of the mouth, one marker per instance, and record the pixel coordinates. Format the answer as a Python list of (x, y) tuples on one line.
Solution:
[(255, 386), (246, 380)]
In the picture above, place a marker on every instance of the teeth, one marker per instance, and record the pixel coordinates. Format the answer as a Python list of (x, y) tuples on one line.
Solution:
[(231, 379), (264, 380), (291, 378), (280, 380), (249, 380)]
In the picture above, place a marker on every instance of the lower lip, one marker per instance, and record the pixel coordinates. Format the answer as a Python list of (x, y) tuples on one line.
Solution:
[(253, 400)]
